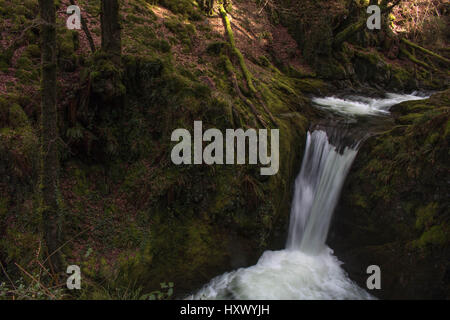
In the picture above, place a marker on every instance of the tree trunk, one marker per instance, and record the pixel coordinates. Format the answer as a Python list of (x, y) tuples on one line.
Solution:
[(49, 155), (111, 39)]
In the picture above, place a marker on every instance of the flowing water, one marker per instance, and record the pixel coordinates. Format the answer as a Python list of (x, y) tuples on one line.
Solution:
[(357, 105), (307, 268), (317, 190)]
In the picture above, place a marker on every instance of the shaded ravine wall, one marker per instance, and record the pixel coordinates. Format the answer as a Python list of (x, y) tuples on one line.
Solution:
[(394, 207)]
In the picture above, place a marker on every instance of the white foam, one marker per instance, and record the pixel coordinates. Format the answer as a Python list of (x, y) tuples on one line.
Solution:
[(363, 105), (286, 275)]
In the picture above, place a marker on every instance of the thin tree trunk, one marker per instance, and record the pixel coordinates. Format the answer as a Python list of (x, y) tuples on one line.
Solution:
[(49, 155), (111, 38)]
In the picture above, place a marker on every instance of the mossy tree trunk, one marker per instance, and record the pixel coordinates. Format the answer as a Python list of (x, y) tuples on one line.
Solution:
[(49, 155), (111, 38)]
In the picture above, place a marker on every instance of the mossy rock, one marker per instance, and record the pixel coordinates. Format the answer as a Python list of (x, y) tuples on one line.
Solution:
[(393, 201)]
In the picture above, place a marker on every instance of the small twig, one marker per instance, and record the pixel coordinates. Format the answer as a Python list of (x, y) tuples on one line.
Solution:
[(45, 269), (37, 281), (6, 274), (267, 1), (65, 243)]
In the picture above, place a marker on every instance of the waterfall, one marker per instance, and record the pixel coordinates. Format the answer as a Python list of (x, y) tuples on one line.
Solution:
[(317, 190), (307, 268)]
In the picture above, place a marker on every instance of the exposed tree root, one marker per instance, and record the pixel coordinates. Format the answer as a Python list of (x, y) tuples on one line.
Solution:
[(426, 51), (247, 75), (415, 60), (233, 79), (261, 100), (227, 25)]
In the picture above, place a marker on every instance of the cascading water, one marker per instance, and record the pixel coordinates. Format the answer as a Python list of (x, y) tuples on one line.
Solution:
[(357, 105), (307, 268), (317, 189)]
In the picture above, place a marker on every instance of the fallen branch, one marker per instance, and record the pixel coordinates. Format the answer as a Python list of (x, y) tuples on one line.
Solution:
[(37, 281)]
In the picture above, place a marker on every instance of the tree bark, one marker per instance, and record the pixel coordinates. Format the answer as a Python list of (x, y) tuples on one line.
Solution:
[(111, 38), (49, 155)]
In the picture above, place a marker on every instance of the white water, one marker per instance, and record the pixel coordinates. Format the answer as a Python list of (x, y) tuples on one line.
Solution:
[(364, 105), (307, 268), (285, 275), (317, 190)]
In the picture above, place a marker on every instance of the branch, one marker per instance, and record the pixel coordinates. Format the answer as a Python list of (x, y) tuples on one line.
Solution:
[(426, 51)]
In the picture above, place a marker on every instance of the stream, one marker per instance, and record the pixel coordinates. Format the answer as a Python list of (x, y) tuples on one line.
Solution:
[(307, 269)]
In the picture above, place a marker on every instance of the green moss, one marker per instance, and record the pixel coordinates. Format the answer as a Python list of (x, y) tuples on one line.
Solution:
[(24, 63), (33, 51), (81, 187), (264, 62), (284, 87), (106, 77), (310, 86), (426, 215), (295, 72), (217, 48), (17, 117), (435, 236), (12, 114), (359, 201), (183, 31), (183, 7), (161, 45), (67, 42), (410, 118), (247, 75), (400, 77)]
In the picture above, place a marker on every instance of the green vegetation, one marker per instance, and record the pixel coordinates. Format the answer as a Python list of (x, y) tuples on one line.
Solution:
[(133, 220), (396, 195)]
